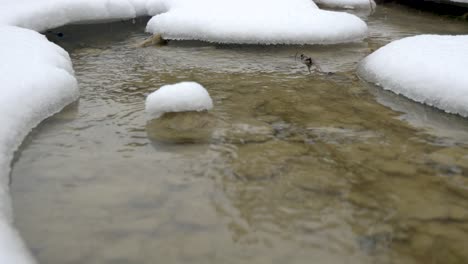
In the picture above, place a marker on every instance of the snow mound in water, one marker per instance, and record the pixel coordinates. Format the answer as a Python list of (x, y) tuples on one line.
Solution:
[(180, 97), (36, 81), (36, 77), (429, 69), (347, 4), (45, 14), (254, 22)]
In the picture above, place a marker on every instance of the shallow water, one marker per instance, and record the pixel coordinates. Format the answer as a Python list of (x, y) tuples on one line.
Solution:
[(287, 168)]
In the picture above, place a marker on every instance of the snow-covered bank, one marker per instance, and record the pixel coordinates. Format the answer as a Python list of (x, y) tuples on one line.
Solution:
[(430, 69), (255, 22), (37, 81), (40, 15)]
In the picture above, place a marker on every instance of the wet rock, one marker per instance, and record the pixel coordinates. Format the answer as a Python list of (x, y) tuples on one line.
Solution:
[(154, 40), (182, 127)]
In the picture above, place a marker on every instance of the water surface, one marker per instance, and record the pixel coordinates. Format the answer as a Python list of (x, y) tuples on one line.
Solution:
[(287, 168)]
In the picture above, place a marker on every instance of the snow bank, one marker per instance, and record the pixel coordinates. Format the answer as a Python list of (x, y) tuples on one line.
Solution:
[(347, 4), (36, 81), (429, 69), (180, 97), (222, 21), (255, 22), (40, 15)]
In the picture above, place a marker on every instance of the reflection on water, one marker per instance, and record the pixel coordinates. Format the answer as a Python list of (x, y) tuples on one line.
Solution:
[(287, 168)]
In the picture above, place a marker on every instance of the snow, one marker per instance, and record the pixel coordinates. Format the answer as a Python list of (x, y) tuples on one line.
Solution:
[(12, 249), (255, 22), (347, 4), (223, 21), (180, 97), (430, 69), (37, 78), (36, 81)]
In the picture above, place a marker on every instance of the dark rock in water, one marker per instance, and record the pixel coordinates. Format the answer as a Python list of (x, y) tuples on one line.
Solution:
[(182, 127), (154, 40)]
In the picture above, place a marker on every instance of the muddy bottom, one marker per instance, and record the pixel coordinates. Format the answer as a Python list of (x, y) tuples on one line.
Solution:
[(287, 168)]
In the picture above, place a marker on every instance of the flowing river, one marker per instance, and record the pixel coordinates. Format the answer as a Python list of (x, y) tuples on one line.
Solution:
[(288, 167)]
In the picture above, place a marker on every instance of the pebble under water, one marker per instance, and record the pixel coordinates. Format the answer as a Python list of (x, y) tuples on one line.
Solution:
[(287, 168)]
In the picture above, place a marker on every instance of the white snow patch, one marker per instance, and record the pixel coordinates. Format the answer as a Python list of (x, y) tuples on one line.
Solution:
[(180, 97), (256, 22), (347, 4), (430, 69), (36, 81)]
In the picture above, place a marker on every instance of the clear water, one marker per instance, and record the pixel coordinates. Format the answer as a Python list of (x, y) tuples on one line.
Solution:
[(287, 168)]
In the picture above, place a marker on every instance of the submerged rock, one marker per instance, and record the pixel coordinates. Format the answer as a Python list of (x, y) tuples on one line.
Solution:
[(154, 40), (182, 127)]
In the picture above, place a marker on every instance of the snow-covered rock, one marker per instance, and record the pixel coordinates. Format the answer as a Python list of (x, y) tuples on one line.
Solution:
[(347, 4), (430, 69), (254, 22), (36, 81), (180, 97)]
